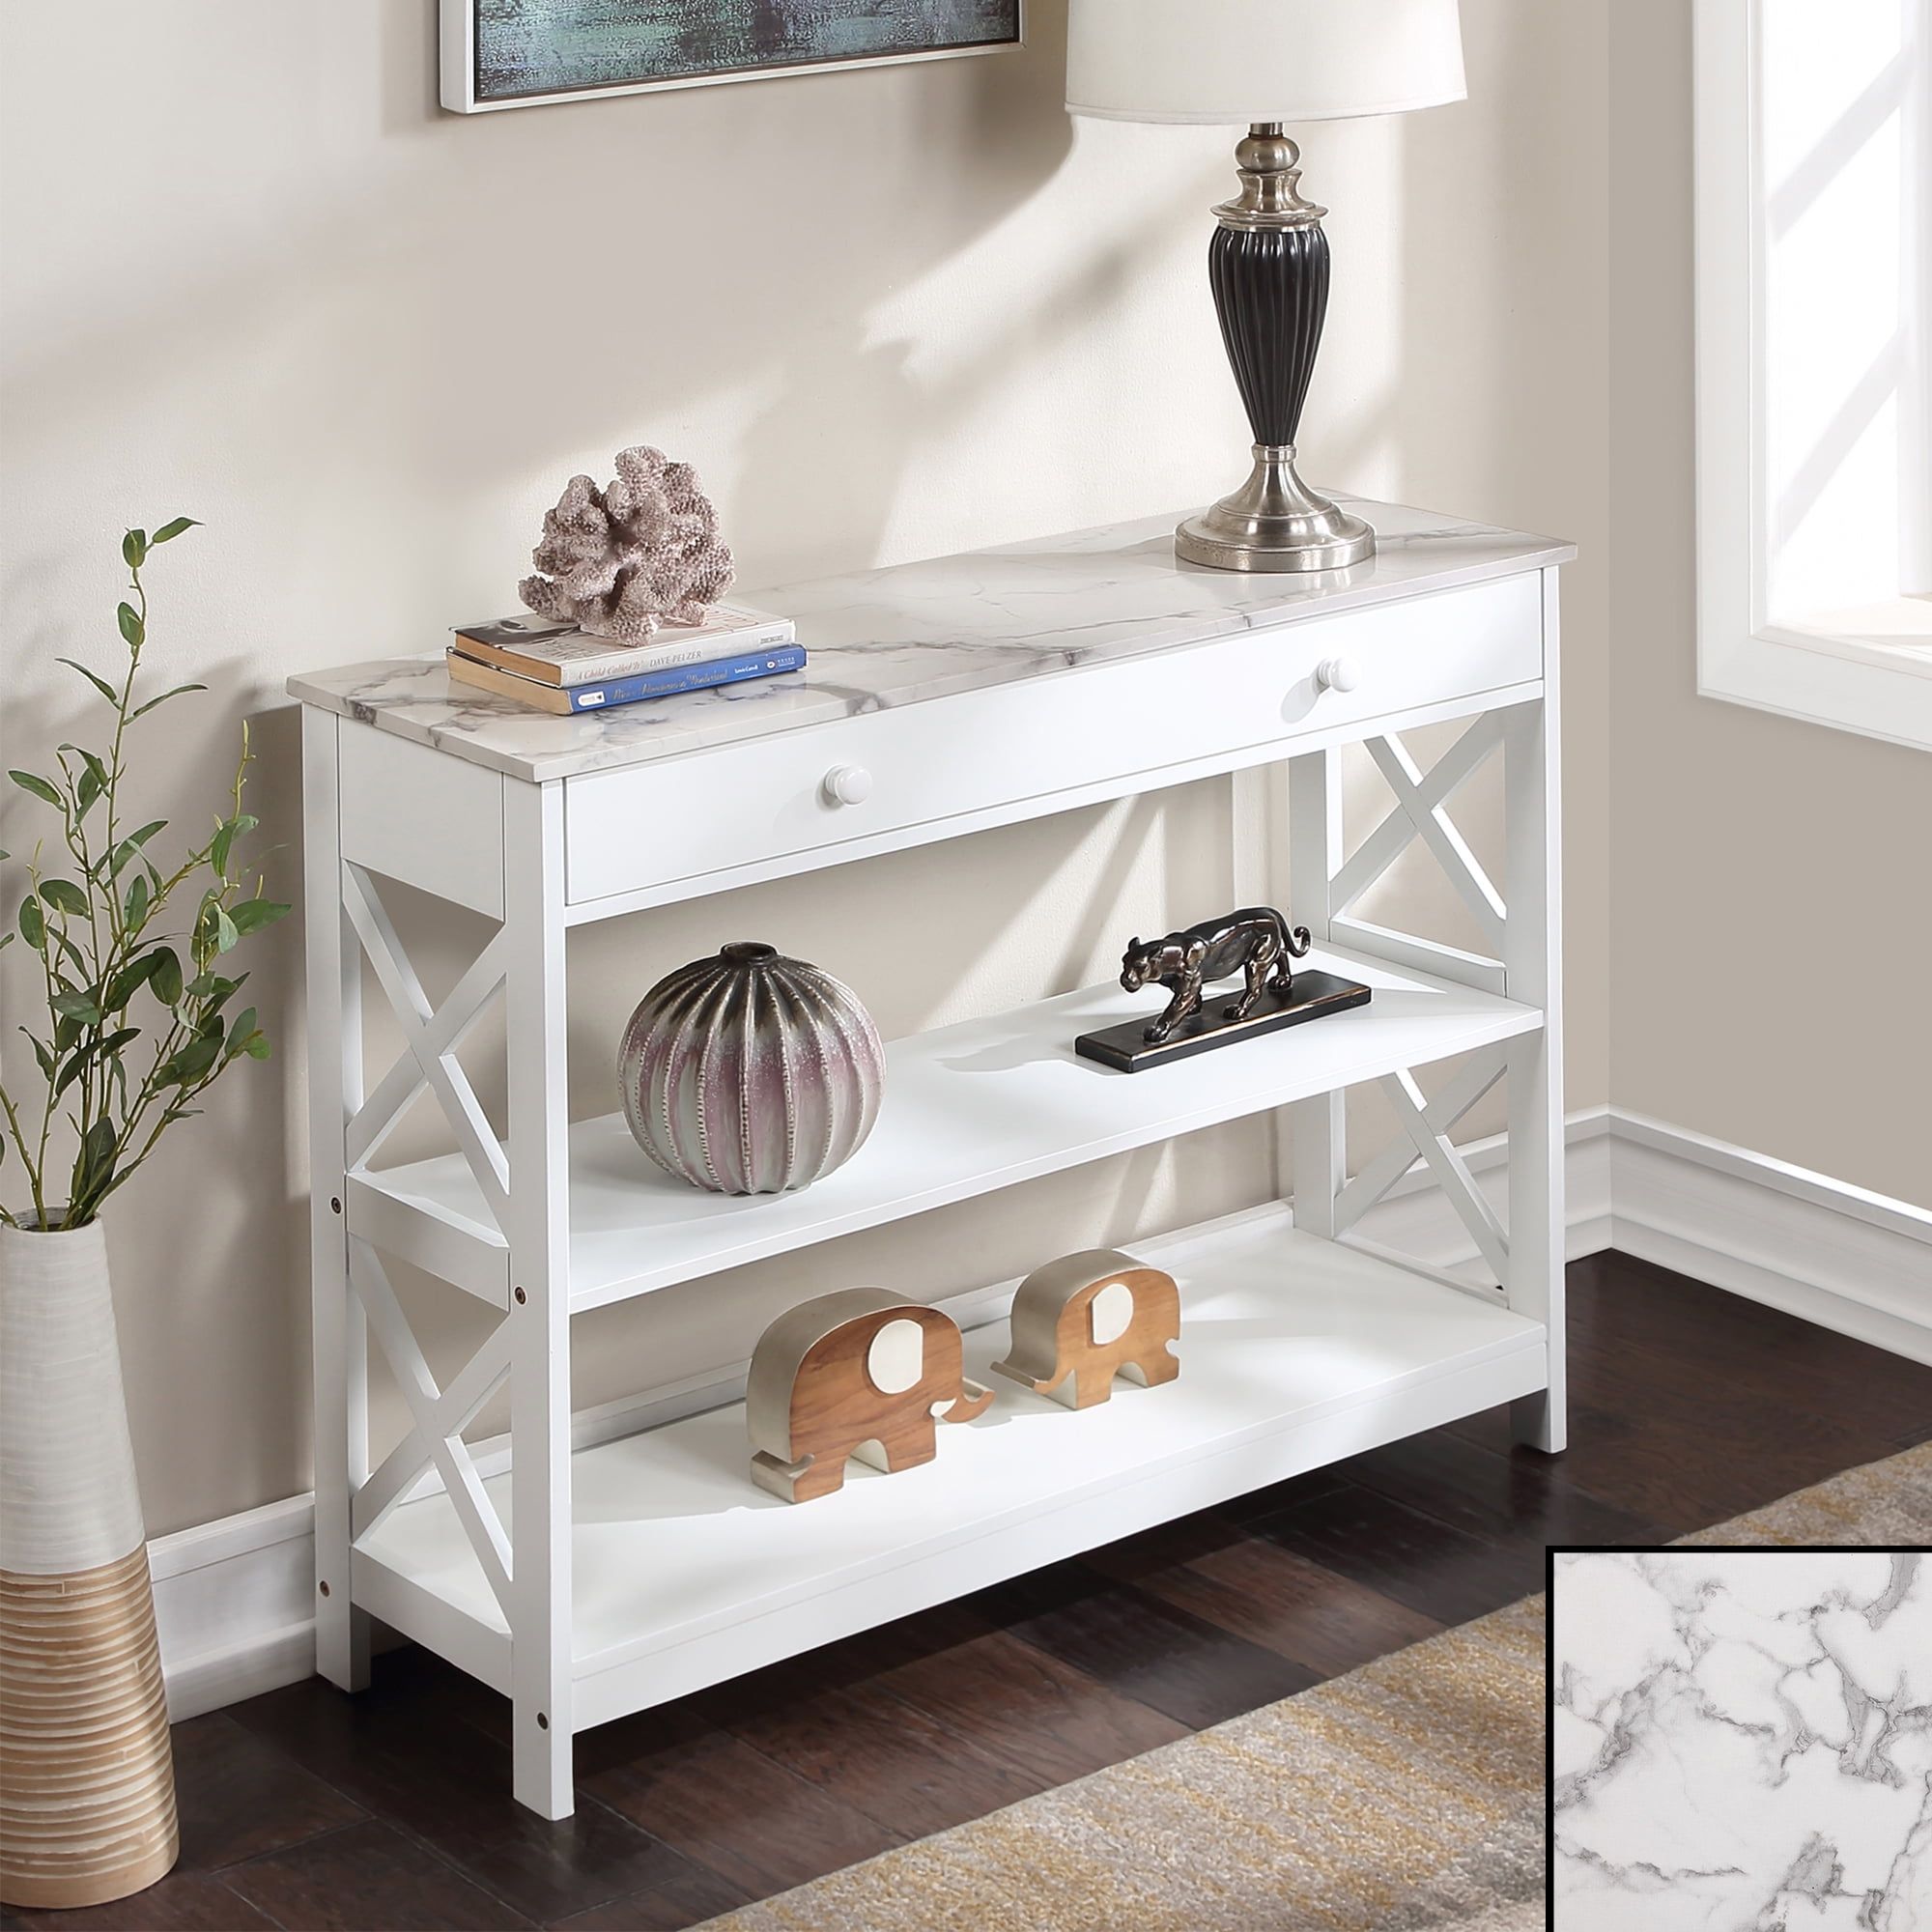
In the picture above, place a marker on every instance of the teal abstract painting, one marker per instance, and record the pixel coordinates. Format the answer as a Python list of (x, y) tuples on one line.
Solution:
[(525, 50)]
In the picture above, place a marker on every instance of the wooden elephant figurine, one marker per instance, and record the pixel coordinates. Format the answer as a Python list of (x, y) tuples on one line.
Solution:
[(1084, 1319), (860, 1373)]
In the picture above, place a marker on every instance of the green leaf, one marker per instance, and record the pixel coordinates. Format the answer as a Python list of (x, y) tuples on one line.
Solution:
[(133, 547), (43, 1055), (252, 915), (128, 982), (231, 830), (99, 684), (134, 907), (259, 1047), (183, 1069), (33, 924), (173, 528), (6, 940), (242, 1032), (141, 710), (213, 992), (166, 979), (67, 1034), (93, 780), (79, 1006), (65, 896), (96, 1051), (39, 786), (95, 1166), (131, 627), (131, 844), (226, 933)]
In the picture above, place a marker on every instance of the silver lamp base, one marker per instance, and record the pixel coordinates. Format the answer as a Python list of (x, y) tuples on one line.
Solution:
[(1274, 522)]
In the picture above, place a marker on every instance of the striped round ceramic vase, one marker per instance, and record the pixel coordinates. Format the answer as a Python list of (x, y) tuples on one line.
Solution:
[(87, 1790), (750, 1074)]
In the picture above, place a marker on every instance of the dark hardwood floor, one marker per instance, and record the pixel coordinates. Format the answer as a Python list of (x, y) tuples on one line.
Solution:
[(305, 1808)]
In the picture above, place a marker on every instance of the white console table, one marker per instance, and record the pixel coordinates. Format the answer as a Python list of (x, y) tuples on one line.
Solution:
[(586, 1578)]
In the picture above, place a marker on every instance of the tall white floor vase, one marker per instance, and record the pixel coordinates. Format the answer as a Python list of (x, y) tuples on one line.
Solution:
[(87, 1791)]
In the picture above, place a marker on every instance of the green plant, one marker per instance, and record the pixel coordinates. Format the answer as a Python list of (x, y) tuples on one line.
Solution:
[(119, 962)]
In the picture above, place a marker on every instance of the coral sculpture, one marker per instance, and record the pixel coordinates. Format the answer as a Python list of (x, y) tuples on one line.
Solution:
[(620, 563)]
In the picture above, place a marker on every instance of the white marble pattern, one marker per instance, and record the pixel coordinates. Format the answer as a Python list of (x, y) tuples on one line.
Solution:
[(917, 631), (1742, 1740)]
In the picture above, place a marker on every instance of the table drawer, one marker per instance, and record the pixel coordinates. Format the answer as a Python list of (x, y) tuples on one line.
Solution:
[(744, 803)]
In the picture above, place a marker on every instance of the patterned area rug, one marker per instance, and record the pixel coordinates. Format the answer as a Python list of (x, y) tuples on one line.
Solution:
[(1406, 1795)]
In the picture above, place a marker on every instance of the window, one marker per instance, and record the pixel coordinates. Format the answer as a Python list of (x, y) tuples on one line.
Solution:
[(1814, 359)]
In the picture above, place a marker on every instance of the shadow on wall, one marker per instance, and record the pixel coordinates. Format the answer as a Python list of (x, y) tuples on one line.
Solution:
[(707, 203), (646, 254), (359, 328)]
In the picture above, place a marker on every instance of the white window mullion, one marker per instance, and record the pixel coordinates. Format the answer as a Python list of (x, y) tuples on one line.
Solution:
[(1814, 403)]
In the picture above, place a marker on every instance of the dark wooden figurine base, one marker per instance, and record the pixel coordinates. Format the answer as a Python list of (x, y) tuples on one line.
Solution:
[(1313, 995)]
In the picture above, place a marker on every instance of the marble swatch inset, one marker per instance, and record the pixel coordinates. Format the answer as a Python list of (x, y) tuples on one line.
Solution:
[(1742, 1740)]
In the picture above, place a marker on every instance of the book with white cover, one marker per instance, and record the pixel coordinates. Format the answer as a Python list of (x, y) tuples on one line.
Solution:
[(557, 653)]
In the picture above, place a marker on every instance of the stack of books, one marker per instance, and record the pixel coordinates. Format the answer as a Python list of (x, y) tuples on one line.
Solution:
[(555, 667)]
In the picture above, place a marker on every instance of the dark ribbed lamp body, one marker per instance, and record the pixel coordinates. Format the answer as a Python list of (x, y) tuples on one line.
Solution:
[(1269, 267), (1272, 292)]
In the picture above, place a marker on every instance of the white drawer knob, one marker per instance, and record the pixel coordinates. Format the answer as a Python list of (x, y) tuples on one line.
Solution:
[(848, 785), (1337, 674)]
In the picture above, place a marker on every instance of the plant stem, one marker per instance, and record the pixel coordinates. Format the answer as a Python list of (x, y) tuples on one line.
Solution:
[(13, 1123), (37, 1167), (121, 723)]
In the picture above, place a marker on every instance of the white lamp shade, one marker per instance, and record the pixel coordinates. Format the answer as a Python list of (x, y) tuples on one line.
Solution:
[(1236, 61)]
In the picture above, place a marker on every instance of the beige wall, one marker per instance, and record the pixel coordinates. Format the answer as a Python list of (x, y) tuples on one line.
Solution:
[(1772, 940), (253, 275)]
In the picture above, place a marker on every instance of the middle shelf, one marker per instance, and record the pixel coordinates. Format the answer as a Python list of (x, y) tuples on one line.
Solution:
[(968, 1109)]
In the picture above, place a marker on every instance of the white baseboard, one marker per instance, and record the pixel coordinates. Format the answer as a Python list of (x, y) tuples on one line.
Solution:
[(1849, 1259), (234, 1598), (235, 1604)]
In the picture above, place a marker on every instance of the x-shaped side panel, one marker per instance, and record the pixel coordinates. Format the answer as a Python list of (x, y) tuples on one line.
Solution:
[(439, 1415), (431, 1036), (1451, 1170), (1420, 810), (1439, 1115)]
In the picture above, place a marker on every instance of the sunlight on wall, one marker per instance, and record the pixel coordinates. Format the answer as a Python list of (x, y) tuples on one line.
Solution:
[(1846, 483)]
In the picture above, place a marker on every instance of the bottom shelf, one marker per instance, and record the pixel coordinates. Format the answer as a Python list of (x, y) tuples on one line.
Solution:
[(1295, 1351)]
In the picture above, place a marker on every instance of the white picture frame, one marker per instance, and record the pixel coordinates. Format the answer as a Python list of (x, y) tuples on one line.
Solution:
[(461, 93)]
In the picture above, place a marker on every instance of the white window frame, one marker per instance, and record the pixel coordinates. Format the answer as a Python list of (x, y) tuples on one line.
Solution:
[(1742, 657)]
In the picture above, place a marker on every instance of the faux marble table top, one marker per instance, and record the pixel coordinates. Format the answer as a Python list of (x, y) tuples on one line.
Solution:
[(919, 631), (1742, 1740)]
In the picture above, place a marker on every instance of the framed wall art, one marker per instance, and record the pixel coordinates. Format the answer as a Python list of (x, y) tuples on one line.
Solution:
[(521, 53)]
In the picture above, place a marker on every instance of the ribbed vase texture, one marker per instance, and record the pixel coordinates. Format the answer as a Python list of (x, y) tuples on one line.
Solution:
[(750, 1074), (86, 1798)]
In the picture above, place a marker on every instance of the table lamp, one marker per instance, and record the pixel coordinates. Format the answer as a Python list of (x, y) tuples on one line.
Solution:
[(1265, 63)]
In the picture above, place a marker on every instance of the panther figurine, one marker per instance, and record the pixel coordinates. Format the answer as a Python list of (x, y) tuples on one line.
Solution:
[(1257, 941)]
